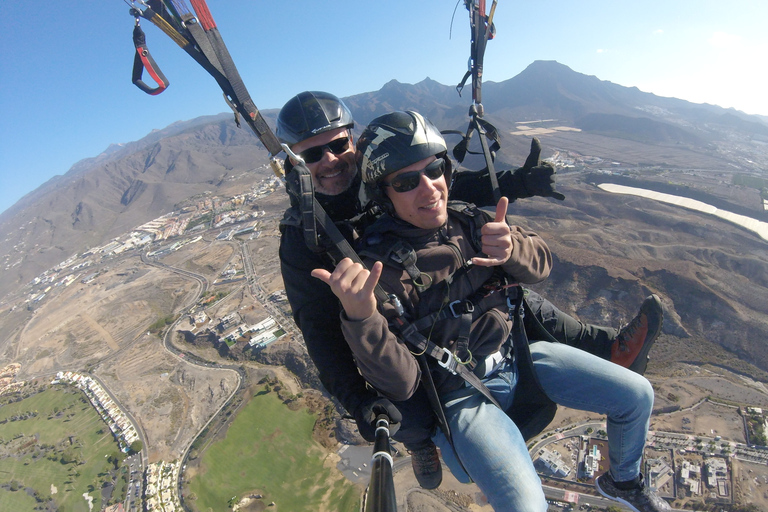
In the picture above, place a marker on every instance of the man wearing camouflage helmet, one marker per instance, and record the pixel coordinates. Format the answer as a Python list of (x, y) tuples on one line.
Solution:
[(317, 126), (470, 259)]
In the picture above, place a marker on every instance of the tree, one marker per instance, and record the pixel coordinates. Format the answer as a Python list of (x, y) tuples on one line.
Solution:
[(136, 446)]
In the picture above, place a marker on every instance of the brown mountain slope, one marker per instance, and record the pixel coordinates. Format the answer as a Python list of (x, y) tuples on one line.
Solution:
[(102, 197), (612, 250)]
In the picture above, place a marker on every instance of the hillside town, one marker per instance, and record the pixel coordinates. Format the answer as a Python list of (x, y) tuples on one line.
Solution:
[(201, 214), (122, 428), (160, 490), (683, 467)]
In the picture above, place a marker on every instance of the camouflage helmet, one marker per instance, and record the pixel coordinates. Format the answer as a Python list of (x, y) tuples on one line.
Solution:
[(394, 141)]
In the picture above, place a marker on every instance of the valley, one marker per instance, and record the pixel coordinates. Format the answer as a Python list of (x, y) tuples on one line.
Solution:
[(154, 269)]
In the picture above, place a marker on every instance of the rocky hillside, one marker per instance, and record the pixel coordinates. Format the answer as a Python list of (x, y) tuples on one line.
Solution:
[(611, 251)]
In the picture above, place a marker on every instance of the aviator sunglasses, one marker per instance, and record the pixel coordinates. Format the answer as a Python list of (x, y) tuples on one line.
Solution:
[(411, 179), (315, 154)]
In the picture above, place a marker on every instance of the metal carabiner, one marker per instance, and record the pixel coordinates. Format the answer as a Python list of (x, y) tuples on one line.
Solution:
[(135, 11), (448, 360), (291, 154)]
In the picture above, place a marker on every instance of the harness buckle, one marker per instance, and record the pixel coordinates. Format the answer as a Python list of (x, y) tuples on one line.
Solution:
[(395, 301), (467, 307), (447, 360), (510, 308)]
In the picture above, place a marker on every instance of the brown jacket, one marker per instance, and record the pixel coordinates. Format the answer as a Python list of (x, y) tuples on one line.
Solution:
[(386, 361)]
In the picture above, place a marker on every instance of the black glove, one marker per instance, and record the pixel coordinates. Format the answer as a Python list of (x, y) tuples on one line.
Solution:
[(537, 178), (368, 411)]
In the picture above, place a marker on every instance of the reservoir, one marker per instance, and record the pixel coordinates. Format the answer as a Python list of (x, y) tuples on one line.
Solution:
[(756, 226)]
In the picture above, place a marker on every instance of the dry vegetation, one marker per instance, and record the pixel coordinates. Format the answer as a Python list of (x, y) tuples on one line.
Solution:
[(610, 253)]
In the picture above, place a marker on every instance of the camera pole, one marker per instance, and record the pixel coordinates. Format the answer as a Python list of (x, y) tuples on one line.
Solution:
[(381, 490)]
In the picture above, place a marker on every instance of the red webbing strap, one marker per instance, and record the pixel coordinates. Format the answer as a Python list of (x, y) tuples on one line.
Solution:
[(143, 60), (203, 14)]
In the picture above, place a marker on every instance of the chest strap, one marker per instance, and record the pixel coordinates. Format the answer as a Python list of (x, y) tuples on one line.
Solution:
[(464, 309), (341, 247), (445, 358)]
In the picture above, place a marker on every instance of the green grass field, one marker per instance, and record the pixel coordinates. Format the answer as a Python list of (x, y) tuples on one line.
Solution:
[(65, 427), (269, 450)]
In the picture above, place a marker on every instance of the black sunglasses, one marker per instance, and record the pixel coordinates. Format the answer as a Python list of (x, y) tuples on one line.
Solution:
[(411, 179), (315, 154)]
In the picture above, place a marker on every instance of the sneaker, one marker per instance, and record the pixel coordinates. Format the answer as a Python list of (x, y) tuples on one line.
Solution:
[(630, 349), (639, 499), (426, 467)]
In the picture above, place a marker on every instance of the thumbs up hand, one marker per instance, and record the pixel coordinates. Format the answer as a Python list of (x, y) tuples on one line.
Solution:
[(496, 238)]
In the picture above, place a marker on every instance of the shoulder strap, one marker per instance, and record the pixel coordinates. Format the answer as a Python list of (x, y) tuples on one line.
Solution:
[(340, 249), (395, 252), (471, 216)]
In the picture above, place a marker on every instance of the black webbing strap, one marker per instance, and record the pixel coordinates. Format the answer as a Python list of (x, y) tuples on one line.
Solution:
[(143, 60), (463, 353), (201, 40), (404, 254), (444, 357), (434, 399), (198, 36), (482, 29), (485, 131), (340, 247), (487, 152), (307, 202), (239, 99)]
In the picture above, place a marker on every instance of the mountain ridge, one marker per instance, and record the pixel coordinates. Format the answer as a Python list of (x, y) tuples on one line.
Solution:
[(128, 185)]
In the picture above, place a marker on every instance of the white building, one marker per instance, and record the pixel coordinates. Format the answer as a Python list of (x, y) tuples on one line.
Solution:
[(592, 462)]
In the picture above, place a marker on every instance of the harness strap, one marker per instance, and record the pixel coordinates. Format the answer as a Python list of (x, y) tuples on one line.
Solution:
[(240, 98), (489, 156), (444, 357), (340, 247), (200, 38), (463, 354), (404, 254), (457, 308), (202, 42), (434, 399), (299, 184), (307, 205), (143, 60)]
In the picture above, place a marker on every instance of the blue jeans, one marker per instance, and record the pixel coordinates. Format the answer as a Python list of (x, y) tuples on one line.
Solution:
[(494, 452)]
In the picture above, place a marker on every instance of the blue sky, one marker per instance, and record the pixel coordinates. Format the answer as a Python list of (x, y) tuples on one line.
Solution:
[(66, 93)]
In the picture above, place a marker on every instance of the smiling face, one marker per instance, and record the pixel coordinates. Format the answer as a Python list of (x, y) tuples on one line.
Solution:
[(426, 205), (333, 173)]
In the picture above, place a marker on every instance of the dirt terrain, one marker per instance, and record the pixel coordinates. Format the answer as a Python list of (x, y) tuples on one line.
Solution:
[(609, 252), (103, 327)]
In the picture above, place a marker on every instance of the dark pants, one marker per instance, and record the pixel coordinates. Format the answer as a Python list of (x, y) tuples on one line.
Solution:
[(565, 329)]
